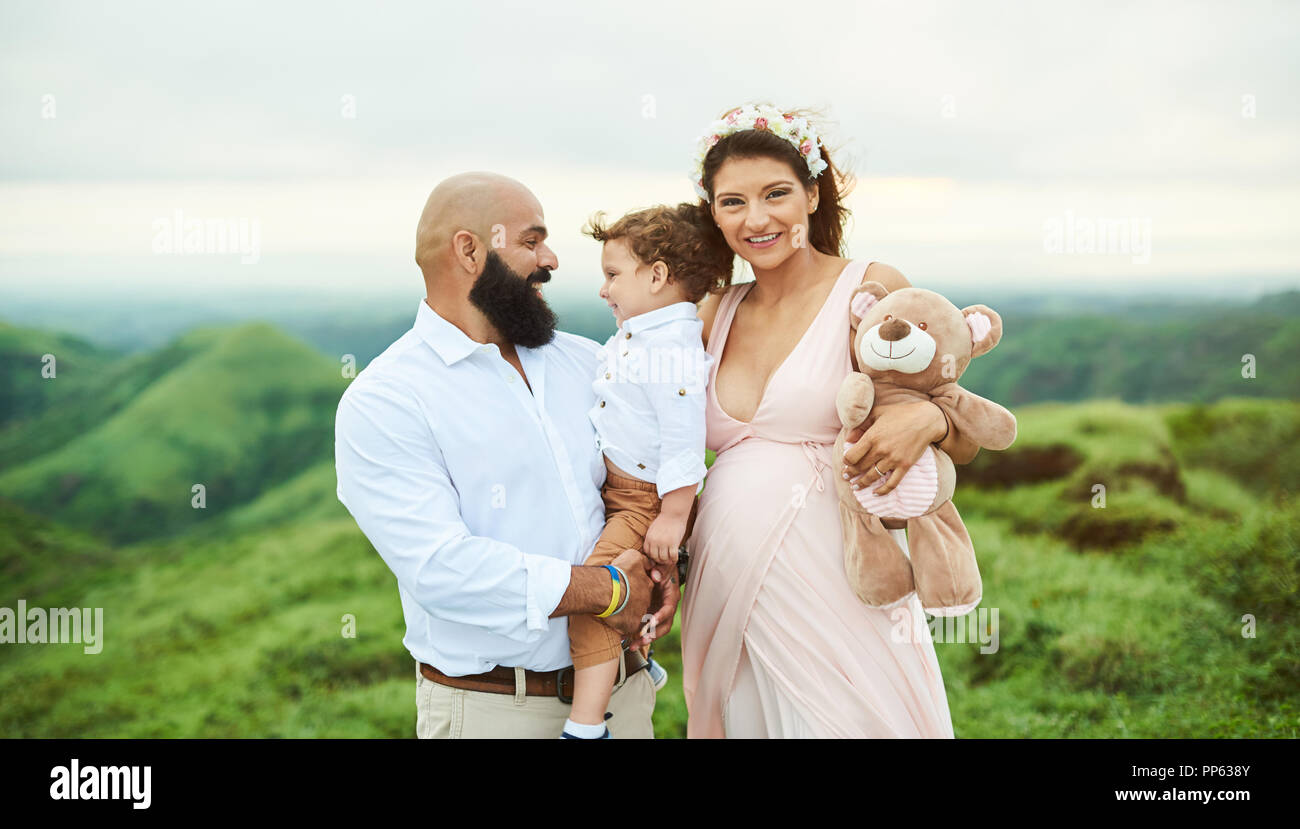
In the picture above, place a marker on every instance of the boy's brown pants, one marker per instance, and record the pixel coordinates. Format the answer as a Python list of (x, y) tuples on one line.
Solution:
[(630, 507)]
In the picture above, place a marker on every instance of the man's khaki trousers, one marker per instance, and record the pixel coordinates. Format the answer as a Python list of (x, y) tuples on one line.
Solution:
[(443, 712)]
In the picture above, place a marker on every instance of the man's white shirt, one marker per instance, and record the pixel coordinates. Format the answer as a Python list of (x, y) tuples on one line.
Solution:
[(478, 495), (650, 387)]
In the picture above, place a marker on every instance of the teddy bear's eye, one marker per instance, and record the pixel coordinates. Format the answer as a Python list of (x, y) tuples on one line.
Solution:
[(888, 317), (921, 325)]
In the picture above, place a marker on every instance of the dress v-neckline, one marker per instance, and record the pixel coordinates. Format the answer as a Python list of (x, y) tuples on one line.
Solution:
[(722, 350)]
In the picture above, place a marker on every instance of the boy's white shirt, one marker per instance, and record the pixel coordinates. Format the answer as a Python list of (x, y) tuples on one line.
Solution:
[(652, 379)]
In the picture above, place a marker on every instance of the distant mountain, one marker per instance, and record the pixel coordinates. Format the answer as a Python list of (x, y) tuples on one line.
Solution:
[(89, 388), (1286, 302), (30, 380), (236, 410), (1194, 354), (115, 442), (1058, 346)]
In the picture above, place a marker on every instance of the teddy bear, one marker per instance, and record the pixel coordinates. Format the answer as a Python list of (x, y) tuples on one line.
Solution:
[(913, 344)]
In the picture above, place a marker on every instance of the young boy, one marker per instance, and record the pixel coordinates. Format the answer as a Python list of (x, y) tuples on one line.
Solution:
[(649, 418)]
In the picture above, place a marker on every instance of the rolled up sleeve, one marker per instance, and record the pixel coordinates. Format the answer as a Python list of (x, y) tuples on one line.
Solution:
[(393, 479), (679, 412)]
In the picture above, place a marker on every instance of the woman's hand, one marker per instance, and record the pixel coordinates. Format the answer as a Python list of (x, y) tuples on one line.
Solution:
[(896, 440)]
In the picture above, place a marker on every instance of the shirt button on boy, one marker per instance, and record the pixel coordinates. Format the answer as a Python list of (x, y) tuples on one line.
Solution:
[(662, 441), (602, 404)]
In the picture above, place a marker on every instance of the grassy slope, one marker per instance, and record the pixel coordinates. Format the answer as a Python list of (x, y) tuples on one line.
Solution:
[(24, 390), (236, 410), (1192, 357), (235, 629)]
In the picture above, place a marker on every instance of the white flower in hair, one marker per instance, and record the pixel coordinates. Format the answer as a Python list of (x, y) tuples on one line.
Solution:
[(794, 129)]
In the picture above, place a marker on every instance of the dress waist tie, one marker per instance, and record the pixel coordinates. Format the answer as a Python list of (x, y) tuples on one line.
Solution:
[(816, 462)]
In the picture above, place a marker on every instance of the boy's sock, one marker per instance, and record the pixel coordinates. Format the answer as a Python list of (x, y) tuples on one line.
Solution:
[(581, 731), (658, 674)]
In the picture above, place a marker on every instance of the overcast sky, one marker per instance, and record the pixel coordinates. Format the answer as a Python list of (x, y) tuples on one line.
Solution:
[(986, 137)]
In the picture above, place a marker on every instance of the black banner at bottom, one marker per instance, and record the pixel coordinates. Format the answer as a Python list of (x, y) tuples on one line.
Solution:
[(240, 777)]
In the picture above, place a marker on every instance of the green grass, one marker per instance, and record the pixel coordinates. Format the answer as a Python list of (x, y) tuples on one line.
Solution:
[(26, 389), (227, 638), (242, 410), (1123, 620)]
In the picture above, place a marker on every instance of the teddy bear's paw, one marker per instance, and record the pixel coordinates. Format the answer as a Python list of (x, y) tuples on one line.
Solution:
[(854, 400), (953, 610), (876, 602)]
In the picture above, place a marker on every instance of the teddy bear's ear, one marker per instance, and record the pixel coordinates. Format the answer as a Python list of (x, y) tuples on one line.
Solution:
[(985, 328), (866, 295)]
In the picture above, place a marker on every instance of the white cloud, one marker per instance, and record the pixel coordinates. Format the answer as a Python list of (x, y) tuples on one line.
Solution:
[(1105, 109)]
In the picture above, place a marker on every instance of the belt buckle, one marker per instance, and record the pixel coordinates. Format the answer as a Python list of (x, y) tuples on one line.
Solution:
[(559, 685)]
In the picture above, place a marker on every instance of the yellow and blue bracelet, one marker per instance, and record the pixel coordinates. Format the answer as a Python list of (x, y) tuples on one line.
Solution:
[(613, 601)]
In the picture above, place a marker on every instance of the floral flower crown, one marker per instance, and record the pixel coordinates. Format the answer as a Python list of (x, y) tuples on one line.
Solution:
[(759, 117)]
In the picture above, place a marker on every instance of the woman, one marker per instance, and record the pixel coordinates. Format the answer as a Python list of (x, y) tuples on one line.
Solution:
[(774, 642)]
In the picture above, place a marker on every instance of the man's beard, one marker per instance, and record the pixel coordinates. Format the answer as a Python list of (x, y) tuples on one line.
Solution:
[(512, 305)]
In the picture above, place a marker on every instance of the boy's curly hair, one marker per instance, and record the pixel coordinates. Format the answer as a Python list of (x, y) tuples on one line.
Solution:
[(677, 235)]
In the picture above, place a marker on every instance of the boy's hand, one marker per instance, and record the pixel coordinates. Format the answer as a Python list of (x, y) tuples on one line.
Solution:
[(664, 537)]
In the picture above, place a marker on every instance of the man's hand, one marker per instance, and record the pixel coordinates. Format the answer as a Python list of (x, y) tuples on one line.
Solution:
[(637, 568), (663, 605), (895, 441)]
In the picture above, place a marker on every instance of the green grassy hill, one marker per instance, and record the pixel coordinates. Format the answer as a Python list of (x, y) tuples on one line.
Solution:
[(25, 390), (1110, 624), (84, 395), (1187, 354), (235, 410)]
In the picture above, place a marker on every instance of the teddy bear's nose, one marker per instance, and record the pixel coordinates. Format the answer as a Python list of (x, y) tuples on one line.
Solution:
[(895, 329)]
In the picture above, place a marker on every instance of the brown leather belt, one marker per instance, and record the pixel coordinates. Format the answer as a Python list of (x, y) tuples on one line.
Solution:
[(501, 679)]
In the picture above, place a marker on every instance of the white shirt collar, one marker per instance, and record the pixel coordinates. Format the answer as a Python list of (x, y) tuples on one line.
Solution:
[(660, 316), (450, 343)]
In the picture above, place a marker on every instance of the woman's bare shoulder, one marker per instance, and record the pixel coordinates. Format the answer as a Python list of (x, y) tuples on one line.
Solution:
[(886, 275), (708, 310)]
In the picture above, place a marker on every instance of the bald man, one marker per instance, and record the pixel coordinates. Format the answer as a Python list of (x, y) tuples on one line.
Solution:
[(466, 456)]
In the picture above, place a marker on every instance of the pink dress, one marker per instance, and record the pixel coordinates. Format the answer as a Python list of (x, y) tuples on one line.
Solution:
[(774, 643)]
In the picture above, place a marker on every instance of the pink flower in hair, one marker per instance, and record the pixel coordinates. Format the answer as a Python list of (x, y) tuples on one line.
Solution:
[(760, 123), (806, 147), (714, 139)]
